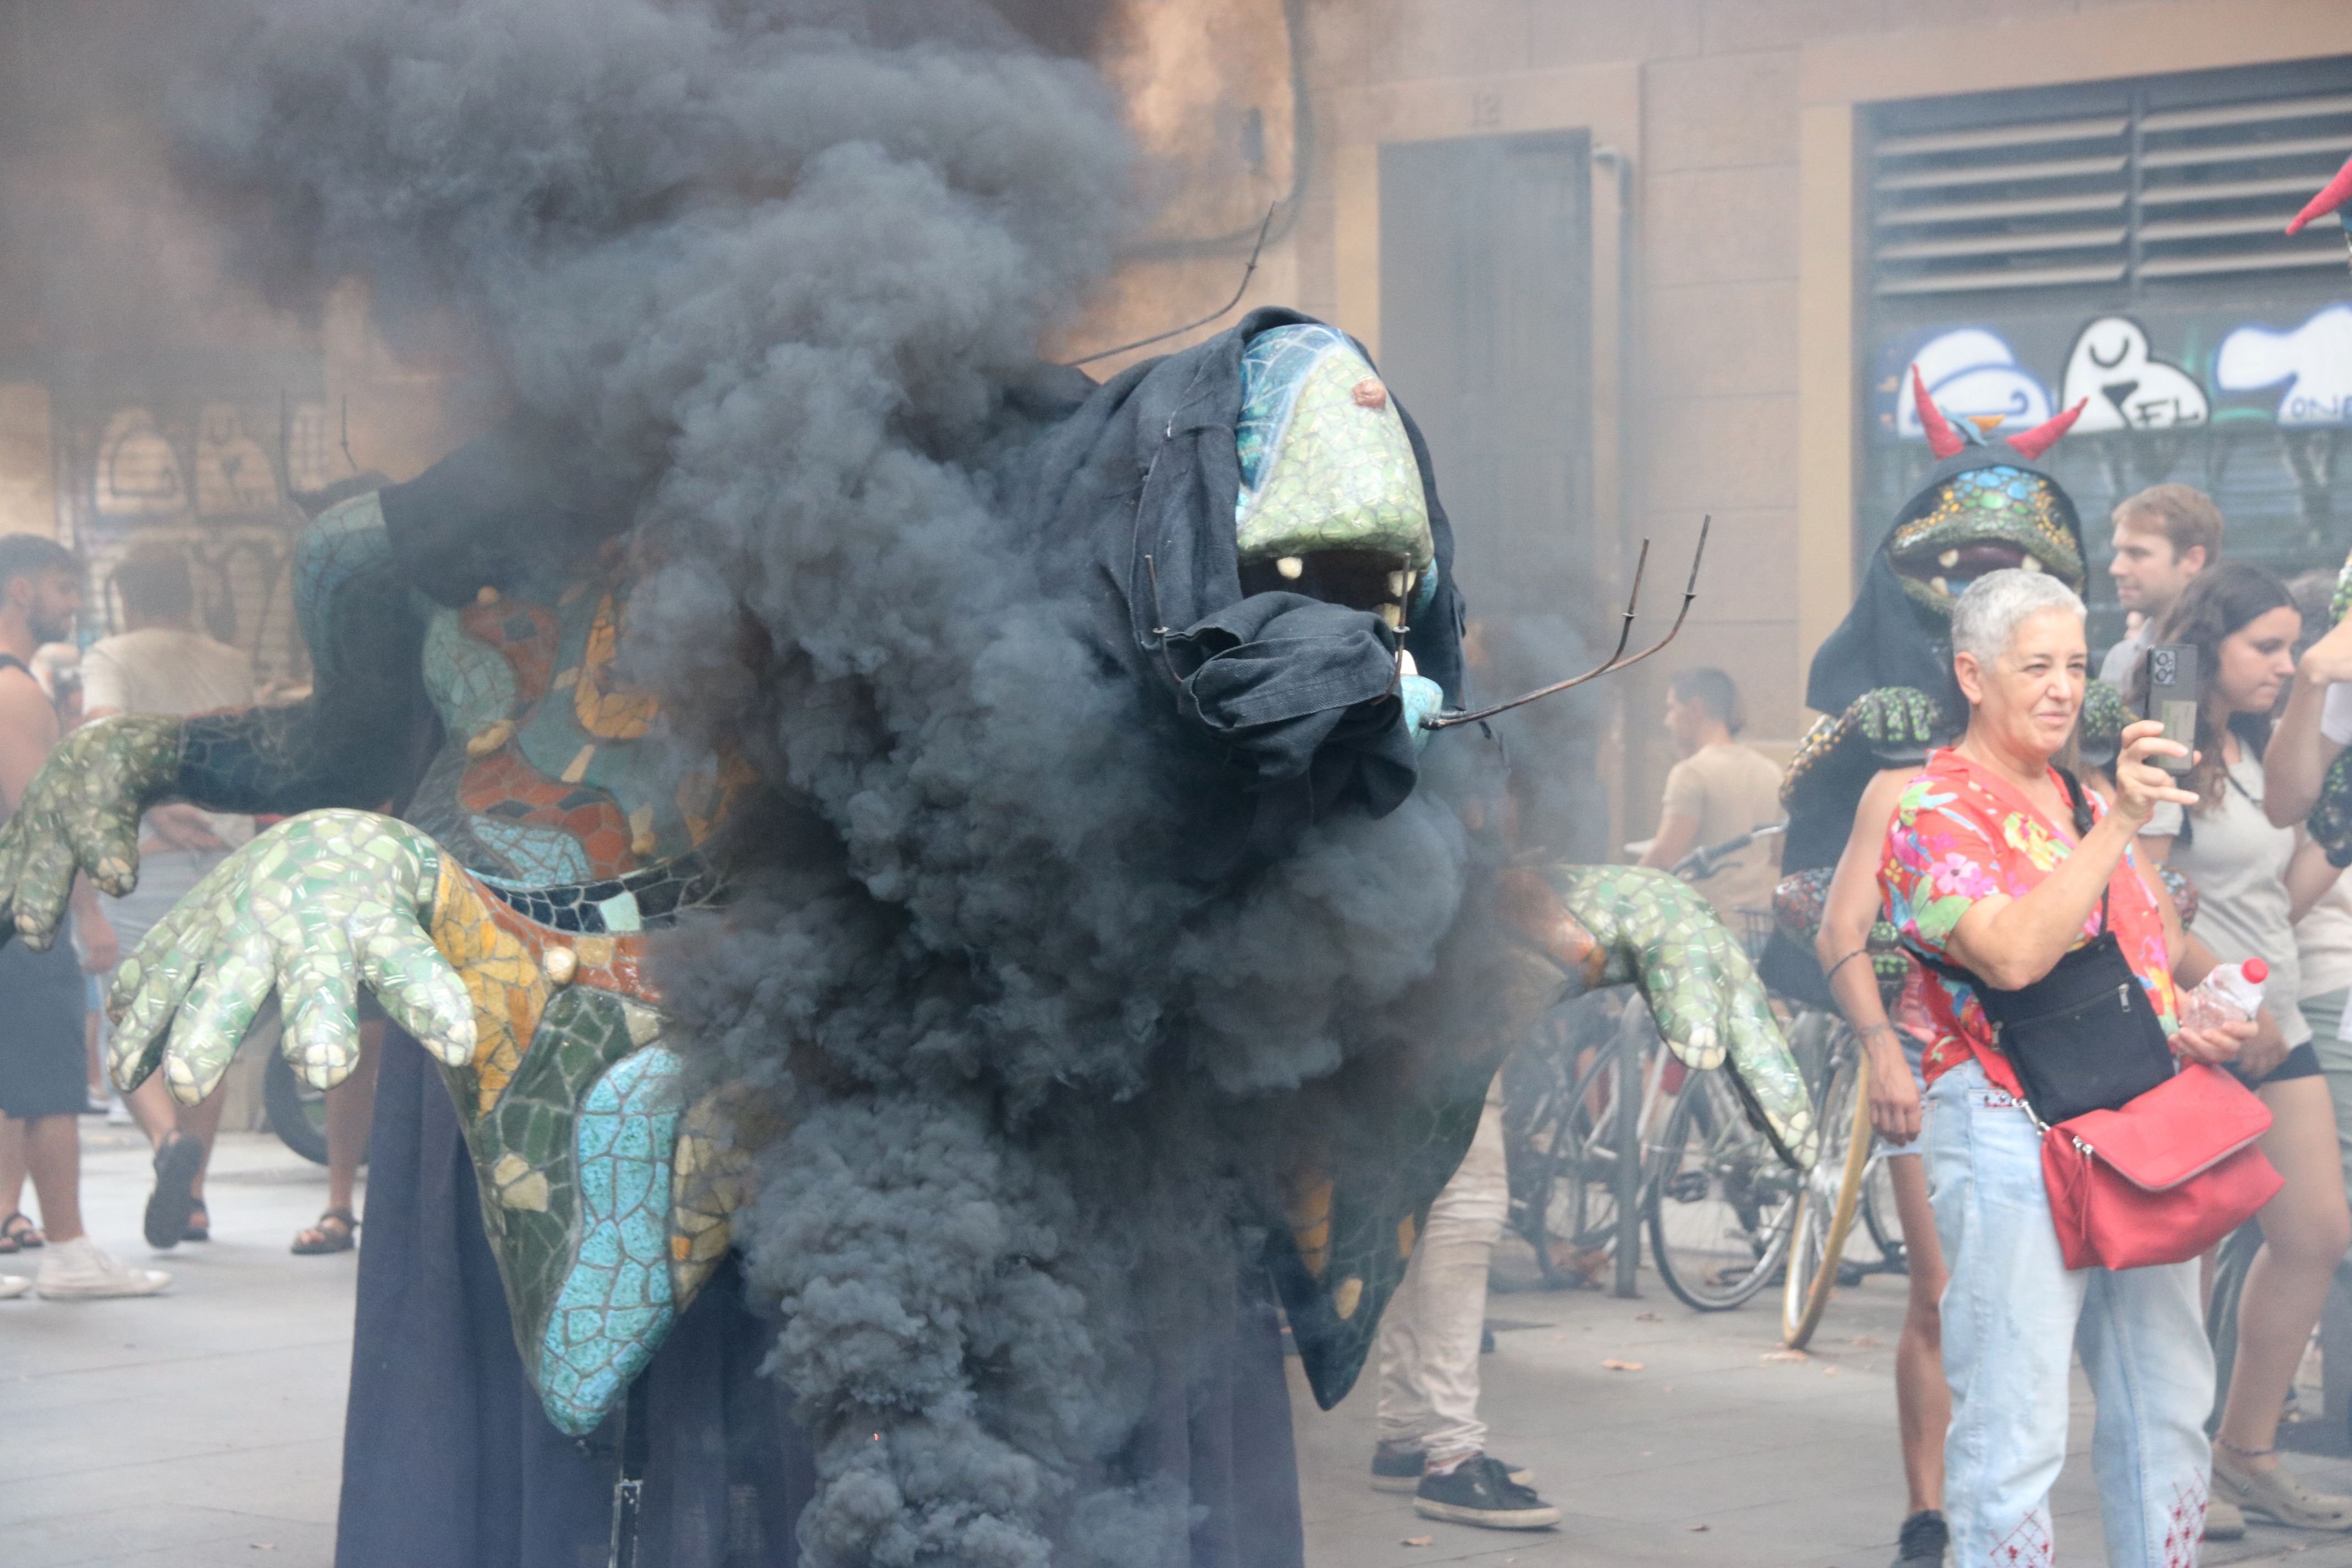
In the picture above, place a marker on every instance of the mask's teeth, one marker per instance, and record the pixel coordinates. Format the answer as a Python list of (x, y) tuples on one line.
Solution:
[(1396, 586), (1939, 585), (1291, 567), (1948, 558), (2031, 563)]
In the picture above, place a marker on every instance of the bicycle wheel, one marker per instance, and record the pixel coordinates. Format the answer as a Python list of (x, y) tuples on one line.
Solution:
[(1572, 1210), (1879, 1216), (2232, 1260), (296, 1112), (1832, 1190), (1721, 1203)]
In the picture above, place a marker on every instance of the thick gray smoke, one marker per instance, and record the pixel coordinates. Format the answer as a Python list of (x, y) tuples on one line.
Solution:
[(780, 264)]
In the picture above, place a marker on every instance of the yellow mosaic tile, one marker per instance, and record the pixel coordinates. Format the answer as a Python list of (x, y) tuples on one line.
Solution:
[(508, 987), (615, 715)]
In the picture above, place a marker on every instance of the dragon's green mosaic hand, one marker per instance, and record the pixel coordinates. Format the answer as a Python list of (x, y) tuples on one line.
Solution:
[(1893, 724), (1661, 935), (81, 812), (1899, 718), (311, 908)]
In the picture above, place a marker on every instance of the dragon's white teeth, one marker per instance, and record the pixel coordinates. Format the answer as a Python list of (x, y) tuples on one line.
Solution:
[(1939, 585), (1948, 558), (1396, 586), (2031, 563), (1291, 567)]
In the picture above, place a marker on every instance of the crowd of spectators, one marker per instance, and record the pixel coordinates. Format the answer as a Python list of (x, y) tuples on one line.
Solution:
[(52, 1032)]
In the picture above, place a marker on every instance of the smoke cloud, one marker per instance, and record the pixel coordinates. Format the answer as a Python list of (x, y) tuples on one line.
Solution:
[(783, 266)]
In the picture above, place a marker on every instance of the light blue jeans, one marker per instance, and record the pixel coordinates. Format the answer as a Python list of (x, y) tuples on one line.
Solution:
[(2012, 1315)]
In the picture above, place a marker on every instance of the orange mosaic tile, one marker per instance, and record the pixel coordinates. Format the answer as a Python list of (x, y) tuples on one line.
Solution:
[(503, 959), (610, 714), (526, 634)]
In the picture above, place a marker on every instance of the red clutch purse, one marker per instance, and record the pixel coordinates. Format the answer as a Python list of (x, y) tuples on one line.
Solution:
[(2161, 1179)]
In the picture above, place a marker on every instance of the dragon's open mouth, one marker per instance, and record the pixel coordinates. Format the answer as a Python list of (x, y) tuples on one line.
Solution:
[(1950, 570)]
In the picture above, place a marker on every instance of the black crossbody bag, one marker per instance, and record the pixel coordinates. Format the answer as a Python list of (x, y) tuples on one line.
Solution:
[(2084, 1037)]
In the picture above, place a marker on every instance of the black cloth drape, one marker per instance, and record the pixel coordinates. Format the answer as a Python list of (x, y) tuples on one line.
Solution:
[(447, 1458), (1129, 487)]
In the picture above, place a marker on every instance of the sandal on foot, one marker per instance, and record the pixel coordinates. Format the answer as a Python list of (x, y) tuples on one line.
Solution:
[(200, 1224), (178, 1158), (2278, 1495), (333, 1233), (19, 1233)]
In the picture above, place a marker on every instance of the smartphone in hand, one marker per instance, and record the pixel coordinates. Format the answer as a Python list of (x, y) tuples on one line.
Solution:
[(2172, 697)]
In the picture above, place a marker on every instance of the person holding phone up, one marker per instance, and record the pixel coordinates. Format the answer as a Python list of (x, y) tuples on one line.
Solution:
[(2232, 634), (2000, 873)]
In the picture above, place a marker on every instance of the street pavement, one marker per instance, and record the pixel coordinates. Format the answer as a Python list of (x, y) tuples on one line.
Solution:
[(203, 1428), (1716, 1446), (195, 1430)]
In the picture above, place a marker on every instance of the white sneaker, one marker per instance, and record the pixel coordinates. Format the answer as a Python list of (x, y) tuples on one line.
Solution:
[(77, 1271), (116, 1114), (13, 1285)]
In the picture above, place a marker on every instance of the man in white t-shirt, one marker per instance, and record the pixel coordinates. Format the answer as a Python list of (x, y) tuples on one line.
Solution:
[(160, 664)]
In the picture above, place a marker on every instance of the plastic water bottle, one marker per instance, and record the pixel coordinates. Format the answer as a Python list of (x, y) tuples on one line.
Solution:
[(2231, 994)]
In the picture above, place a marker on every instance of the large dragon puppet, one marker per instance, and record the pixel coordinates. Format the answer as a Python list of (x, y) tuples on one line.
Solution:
[(1883, 681), (487, 831)]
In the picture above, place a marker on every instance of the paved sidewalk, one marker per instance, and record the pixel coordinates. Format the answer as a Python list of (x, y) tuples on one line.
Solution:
[(205, 1428), (1722, 1449), (193, 1429)]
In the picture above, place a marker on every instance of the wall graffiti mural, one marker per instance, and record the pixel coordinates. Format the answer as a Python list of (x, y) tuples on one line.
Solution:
[(1972, 373), (234, 475), (2250, 400), (2315, 361), (138, 473), (2123, 385), (222, 479)]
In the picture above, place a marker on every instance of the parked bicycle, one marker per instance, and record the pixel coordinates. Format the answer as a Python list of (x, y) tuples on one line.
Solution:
[(1596, 1090)]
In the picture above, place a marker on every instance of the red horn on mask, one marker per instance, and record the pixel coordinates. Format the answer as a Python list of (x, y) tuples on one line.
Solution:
[(2338, 191), (2044, 436), (1942, 439)]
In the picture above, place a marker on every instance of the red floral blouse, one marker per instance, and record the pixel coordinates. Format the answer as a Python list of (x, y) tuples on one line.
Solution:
[(1959, 832)]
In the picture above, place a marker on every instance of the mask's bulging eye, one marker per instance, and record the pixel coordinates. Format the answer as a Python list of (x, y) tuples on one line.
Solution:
[(1331, 504)]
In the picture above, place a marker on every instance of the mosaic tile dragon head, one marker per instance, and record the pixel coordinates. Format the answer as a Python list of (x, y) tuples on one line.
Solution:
[(1985, 507), (1331, 504)]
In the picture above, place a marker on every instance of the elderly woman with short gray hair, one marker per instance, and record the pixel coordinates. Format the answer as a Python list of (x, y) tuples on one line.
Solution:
[(1998, 865)]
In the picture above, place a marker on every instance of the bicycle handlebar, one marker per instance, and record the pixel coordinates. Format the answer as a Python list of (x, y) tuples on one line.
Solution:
[(1708, 859)]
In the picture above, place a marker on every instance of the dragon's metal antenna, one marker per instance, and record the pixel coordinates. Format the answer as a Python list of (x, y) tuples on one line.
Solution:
[(1248, 270), (1616, 659)]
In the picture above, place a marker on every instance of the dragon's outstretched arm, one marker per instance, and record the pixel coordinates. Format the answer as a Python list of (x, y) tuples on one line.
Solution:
[(1352, 1217), (356, 742)]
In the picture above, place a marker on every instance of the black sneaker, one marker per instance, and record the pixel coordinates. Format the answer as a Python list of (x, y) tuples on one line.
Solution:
[(1480, 1491), (177, 1160), (1399, 1469), (1923, 1541), (1396, 1469)]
